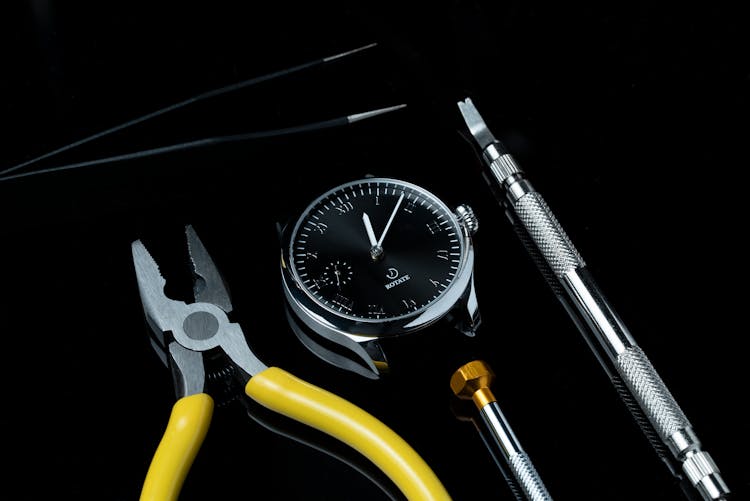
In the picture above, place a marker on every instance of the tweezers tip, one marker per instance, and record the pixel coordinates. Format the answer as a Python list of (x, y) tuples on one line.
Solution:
[(350, 52), (373, 113)]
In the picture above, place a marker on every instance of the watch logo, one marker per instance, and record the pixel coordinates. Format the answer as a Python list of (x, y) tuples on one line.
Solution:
[(392, 273), (398, 281)]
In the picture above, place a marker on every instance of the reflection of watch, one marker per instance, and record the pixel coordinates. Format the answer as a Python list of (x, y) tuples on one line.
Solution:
[(372, 259)]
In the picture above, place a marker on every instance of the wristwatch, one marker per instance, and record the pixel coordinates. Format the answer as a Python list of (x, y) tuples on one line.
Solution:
[(374, 259)]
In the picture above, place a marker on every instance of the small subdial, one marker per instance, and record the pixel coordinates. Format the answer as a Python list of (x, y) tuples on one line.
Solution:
[(337, 273)]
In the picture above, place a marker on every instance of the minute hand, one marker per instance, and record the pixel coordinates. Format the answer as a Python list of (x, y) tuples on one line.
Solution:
[(390, 220)]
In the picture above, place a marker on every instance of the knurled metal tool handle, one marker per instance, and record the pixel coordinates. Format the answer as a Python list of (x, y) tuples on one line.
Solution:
[(623, 390), (631, 365), (630, 362), (529, 481), (566, 272)]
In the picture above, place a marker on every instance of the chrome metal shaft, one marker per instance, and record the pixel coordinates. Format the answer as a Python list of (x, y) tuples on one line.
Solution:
[(603, 329), (472, 382)]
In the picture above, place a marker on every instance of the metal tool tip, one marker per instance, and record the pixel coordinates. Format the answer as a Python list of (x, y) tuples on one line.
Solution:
[(190, 233), (466, 103), (373, 113), (350, 52), (193, 242), (140, 252), (468, 111), (145, 265), (196, 250), (208, 286), (475, 123)]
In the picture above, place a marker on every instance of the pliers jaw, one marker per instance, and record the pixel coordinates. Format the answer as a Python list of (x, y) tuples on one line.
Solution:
[(185, 332), (188, 370), (193, 333)]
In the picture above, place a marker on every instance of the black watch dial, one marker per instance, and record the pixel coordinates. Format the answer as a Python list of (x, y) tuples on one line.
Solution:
[(376, 249)]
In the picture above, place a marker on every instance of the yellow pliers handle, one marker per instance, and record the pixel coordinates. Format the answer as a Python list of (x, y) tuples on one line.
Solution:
[(286, 394), (187, 427)]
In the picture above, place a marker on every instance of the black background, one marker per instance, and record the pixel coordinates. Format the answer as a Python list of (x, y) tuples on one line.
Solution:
[(630, 119)]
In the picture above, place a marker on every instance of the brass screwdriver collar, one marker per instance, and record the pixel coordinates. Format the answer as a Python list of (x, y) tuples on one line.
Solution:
[(472, 382)]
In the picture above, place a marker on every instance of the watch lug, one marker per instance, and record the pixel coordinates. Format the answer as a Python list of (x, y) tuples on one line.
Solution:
[(467, 317), (377, 355), (364, 358)]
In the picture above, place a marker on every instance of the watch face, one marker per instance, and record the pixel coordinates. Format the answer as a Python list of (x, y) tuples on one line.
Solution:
[(376, 249)]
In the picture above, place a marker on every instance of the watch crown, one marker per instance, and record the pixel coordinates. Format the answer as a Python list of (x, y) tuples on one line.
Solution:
[(466, 215)]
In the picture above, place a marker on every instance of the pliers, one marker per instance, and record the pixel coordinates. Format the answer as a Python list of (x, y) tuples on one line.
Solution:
[(191, 336)]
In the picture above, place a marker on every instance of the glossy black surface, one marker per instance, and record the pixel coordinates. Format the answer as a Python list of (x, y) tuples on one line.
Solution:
[(415, 257), (630, 119)]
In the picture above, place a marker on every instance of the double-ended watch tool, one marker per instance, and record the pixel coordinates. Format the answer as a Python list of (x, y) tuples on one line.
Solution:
[(638, 383)]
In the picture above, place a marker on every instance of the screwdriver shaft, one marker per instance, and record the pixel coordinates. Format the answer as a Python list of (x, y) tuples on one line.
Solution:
[(472, 382)]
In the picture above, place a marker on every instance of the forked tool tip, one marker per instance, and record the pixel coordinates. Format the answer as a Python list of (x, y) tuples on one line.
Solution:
[(475, 123)]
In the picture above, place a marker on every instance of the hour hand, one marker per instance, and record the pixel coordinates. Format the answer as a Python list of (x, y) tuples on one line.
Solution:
[(368, 228)]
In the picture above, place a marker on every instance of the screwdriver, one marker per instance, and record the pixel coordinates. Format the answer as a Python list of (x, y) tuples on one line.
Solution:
[(633, 375), (472, 382)]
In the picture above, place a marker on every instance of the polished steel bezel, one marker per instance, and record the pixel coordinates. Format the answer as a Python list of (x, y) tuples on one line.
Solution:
[(329, 323)]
